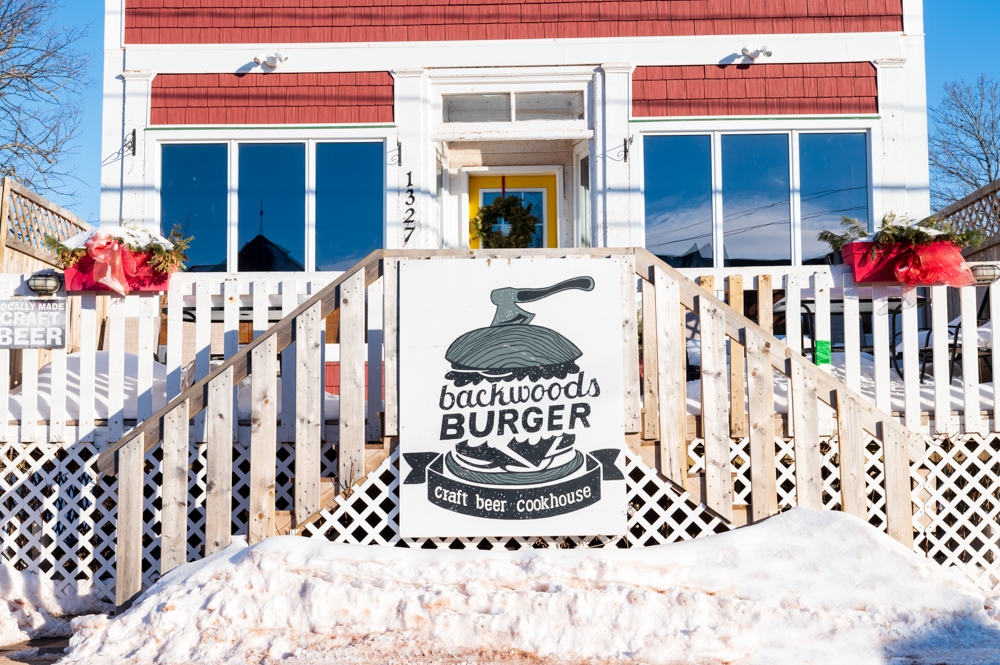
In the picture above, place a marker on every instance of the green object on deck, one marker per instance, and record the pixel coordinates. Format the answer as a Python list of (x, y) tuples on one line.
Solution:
[(822, 354)]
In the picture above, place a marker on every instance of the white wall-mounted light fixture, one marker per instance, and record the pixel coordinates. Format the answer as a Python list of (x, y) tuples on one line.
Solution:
[(754, 52), (271, 61)]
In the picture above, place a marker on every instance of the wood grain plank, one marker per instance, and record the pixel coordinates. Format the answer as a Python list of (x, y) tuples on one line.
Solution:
[(289, 301), (175, 337), (630, 337), (880, 342), (148, 315), (760, 380), (851, 439), (898, 504), (231, 335), (808, 461), (128, 527), (351, 454), (88, 350), (715, 409), (737, 365), (852, 333), (650, 359), (970, 361), (116, 368), (940, 338), (219, 463), (765, 302), (308, 411), (373, 425), (672, 393), (174, 513), (910, 360), (263, 435), (390, 324)]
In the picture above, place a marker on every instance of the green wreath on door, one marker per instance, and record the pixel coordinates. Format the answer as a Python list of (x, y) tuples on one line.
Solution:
[(511, 209)]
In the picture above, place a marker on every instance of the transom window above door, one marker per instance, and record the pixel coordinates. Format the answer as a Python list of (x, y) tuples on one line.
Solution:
[(512, 107), (274, 207), (732, 199)]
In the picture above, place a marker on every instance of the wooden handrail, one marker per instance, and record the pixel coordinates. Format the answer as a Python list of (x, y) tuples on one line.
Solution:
[(782, 356), (283, 331)]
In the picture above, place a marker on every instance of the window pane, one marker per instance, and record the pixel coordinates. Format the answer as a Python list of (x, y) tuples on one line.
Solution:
[(476, 108), (350, 197), (193, 196), (755, 200), (679, 199), (834, 171), (548, 106), (272, 212)]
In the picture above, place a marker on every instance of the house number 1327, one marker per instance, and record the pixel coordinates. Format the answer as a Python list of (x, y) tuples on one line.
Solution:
[(409, 223)]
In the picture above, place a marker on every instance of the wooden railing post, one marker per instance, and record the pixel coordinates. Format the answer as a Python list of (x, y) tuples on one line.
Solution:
[(219, 463), (805, 415), (174, 512), (263, 436), (4, 220), (763, 473), (650, 361), (351, 454), (128, 539), (898, 504), (670, 349), (737, 366), (715, 409), (309, 410), (851, 438), (630, 335)]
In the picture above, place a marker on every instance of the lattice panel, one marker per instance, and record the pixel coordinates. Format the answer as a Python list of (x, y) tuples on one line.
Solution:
[(983, 213), (658, 513), (957, 498), (30, 223), (59, 518)]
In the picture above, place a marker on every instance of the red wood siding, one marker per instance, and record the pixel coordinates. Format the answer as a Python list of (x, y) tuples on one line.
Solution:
[(231, 99), (298, 21), (758, 89)]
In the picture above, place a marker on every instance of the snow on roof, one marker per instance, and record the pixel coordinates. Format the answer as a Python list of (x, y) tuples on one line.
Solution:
[(802, 587)]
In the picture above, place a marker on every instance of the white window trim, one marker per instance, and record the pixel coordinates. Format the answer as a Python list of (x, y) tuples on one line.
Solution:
[(310, 137), (788, 125)]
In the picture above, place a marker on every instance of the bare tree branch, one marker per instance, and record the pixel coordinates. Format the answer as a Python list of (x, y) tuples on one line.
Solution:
[(965, 140), (41, 76)]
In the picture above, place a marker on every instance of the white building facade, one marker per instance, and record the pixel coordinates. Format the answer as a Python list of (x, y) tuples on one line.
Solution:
[(390, 126)]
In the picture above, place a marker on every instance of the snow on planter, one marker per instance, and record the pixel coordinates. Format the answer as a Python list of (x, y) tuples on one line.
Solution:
[(802, 587)]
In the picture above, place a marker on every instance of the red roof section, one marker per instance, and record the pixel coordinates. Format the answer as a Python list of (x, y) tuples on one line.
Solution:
[(298, 21), (758, 89), (259, 99)]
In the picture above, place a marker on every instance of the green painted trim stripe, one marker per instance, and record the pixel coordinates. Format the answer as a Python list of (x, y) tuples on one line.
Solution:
[(174, 128), (781, 118)]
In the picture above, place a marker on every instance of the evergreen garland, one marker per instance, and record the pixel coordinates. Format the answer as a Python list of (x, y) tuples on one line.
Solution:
[(522, 224), (901, 232)]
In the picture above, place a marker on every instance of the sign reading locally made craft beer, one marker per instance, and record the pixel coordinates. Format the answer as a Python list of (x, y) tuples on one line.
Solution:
[(33, 323), (510, 402)]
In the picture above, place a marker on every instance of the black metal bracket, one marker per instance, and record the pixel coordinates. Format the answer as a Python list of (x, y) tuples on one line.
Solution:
[(129, 145), (626, 145)]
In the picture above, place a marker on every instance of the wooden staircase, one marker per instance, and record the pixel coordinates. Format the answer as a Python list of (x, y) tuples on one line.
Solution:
[(655, 411)]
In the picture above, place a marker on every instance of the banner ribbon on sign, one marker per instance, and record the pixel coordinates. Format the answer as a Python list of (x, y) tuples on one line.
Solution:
[(512, 502)]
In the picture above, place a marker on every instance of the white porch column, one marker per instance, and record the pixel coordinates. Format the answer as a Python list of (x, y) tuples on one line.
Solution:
[(112, 107), (892, 108), (618, 231), (417, 226), (137, 182)]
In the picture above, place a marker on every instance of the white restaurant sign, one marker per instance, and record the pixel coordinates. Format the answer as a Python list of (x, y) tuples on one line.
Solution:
[(33, 323), (511, 406)]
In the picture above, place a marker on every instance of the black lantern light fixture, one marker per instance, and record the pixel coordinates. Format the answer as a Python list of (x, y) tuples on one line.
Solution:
[(985, 273), (45, 282)]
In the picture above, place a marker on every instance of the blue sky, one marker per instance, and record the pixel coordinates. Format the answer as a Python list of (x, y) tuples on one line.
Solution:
[(960, 39)]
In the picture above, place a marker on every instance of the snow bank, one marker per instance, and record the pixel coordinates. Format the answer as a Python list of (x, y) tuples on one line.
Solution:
[(29, 609), (802, 587)]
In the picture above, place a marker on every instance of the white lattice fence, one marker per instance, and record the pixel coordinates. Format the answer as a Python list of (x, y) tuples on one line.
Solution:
[(59, 517)]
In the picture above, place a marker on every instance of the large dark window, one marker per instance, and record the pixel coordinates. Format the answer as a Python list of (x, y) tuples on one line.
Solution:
[(834, 170), (193, 197), (350, 196), (679, 199), (756, 200), (272, 207)]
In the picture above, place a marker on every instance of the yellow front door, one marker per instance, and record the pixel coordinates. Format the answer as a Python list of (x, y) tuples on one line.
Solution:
[(538, 190)]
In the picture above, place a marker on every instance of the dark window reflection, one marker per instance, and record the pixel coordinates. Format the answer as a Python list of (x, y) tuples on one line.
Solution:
[(272, 207), (834, 184), (350, 201), (756, 202), (679, 199), (193, 196), (534, 199)]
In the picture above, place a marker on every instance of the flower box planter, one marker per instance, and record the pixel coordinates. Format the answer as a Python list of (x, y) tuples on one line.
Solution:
[(882, 268), (143, 279)]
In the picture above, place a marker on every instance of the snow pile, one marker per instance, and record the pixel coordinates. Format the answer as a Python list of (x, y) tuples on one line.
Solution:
[(29, 609), (803, 587)]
